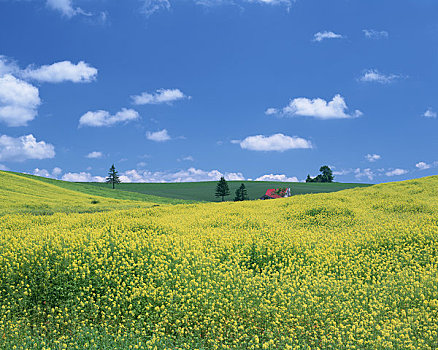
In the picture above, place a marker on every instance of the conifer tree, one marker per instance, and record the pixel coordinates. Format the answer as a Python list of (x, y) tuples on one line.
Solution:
[(112, 177), (241, 194), (222, 189)]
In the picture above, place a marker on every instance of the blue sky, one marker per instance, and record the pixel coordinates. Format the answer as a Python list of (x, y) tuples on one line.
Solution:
[(191, 89)]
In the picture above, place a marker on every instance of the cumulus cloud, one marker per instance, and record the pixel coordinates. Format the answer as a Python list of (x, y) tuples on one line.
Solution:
[(375, 34), (189, 175), (65, 7), (158, 136), (320, 36), (19, 101), (46, 173), (423, 166), (82, 177), (159, 97), (364, 173), (317, 108), (3, 167), (373, 75), (94, 155), (62, 71), (372, 157), (276, 142), (396, 172), (271, 111), (23, 148), (103, 118), (277, 177), (8, 66), (430, 113)]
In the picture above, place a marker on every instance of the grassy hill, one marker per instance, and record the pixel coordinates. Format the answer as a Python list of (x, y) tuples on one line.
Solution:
[(103, 191), (204, 191), (31, 194), (355, 269)]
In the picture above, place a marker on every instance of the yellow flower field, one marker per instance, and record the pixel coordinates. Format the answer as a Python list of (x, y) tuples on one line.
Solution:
[(356, 269)]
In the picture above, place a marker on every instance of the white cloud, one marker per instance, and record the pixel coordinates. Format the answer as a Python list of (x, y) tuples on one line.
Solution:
[(62, 71), (3, 167), (317, 108), (45, 173), (276, 142), (94, 155), (342, 172), (56, 171), (396, 172), (375, 34), (23, 148), (373, 75), (104, 118), (372, 157), (320, 36), (361, 173), (19, 101), (158, 136), (65, 7), (279, 178), (186, 159), (7, 66), (160, 96), (423, 166), (82, 177), (430, 113), (151, 6), (271, 111), (189, 175)]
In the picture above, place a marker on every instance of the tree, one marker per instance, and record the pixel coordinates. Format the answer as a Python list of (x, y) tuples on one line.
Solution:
[(241, 194), (222, 189), (113, 178), (327, 174)]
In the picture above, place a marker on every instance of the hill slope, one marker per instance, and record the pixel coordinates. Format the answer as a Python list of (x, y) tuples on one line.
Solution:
[(104, 191), (21, 194), (204, 191), (355, 269)]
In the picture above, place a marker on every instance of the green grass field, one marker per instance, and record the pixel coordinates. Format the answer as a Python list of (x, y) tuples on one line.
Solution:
[(204, 191), (105, 191)]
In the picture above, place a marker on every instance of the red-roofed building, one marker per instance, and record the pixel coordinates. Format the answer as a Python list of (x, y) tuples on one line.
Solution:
[(273, 193)]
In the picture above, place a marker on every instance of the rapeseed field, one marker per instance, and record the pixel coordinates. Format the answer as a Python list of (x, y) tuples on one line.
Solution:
[(356, 269)]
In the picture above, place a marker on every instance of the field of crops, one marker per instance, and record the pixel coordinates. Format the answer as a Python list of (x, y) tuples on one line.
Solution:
[(356, 269), (204, 191)]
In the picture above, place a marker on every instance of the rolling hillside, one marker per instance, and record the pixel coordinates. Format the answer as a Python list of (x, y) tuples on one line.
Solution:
[(23, 194), (103, 191), (204, 191), (355, 269)]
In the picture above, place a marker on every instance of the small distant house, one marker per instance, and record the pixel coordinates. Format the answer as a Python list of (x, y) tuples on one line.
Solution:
[(274, 193)]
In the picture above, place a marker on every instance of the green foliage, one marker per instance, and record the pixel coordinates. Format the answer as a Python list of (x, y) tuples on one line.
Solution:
[(241, 194), (113, 177), (325, 176), (222, 188)]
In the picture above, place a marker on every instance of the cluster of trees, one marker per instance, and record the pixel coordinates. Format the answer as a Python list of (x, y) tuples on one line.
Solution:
[(325, 176), (222, 190)]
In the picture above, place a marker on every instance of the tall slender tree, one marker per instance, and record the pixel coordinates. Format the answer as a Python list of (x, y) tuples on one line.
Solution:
[(113, 177), (241, 194), (222, 189)]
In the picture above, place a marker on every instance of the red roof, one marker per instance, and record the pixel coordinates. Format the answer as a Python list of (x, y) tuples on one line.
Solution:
[(271, 193)]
